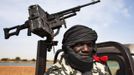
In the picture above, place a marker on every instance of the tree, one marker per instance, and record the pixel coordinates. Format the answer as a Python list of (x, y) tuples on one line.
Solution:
[(17, 59), (33, 59)]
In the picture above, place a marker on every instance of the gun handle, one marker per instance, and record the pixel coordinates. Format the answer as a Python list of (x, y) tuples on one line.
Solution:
[(29, 32), (7, 30)]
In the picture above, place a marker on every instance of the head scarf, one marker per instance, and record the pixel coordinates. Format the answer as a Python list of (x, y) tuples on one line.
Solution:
[(79, 33), (76, 34)]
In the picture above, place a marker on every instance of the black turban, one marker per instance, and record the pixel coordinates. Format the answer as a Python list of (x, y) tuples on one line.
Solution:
[(79, 33), (76, 34)]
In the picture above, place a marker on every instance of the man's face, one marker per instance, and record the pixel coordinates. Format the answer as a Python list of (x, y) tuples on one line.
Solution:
[(83, 48)]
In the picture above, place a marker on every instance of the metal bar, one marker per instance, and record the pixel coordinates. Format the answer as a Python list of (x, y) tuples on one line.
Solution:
[(41, 57)]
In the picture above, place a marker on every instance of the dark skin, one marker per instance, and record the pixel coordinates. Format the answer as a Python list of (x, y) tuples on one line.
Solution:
[(83, 48)]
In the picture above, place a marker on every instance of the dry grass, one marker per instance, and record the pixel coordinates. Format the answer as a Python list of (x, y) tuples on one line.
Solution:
[(17, 70)]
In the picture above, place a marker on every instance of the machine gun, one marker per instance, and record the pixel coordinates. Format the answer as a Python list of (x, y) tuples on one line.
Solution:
[(43, 24)]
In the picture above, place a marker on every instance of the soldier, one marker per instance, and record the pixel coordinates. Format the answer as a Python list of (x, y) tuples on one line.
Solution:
[(79, 56)]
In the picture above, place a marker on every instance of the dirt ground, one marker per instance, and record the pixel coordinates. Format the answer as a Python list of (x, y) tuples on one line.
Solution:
[(17, 70)]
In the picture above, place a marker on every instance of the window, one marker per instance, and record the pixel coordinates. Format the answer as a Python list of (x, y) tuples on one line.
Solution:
[(113, 66)]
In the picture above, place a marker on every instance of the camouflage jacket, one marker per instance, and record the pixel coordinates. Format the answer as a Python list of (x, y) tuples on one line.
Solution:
[(61, 68)]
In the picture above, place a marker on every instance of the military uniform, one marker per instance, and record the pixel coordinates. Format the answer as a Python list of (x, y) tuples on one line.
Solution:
[(61, 68)]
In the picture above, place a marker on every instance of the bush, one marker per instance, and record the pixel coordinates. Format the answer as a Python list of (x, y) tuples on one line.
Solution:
[(5, 59)]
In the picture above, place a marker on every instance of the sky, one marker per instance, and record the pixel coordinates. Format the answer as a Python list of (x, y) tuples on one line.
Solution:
[(112, 19)]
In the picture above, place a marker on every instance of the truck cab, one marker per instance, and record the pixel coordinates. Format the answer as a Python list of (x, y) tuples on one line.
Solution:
[(120, 57)]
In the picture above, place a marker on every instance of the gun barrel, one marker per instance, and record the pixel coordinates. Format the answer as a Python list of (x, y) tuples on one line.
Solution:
[(94, 2), (71, 10)]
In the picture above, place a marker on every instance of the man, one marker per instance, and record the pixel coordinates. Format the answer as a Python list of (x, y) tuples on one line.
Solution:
[(79, 57)]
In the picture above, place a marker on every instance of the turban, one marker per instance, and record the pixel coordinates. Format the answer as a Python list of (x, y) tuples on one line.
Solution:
[(76, 34), (79, 33)]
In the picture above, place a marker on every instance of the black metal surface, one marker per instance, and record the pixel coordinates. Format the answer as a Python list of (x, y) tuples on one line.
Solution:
[(124, 52), (43, 47), (41, 57)]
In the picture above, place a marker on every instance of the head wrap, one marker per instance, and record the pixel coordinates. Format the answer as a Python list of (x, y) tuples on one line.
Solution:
[(76, 34), (79, 33)]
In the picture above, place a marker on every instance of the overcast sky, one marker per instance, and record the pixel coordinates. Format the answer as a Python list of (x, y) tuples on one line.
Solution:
[(112, 19)]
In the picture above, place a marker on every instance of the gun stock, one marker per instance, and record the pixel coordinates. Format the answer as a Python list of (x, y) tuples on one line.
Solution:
[(8, 31)]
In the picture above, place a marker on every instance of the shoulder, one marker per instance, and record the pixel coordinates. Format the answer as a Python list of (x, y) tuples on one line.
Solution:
[(60, 68), (100, 68), (99, 65), (54, 69)]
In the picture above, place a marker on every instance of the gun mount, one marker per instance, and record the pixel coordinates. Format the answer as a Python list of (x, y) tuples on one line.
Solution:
[(43, 24)]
